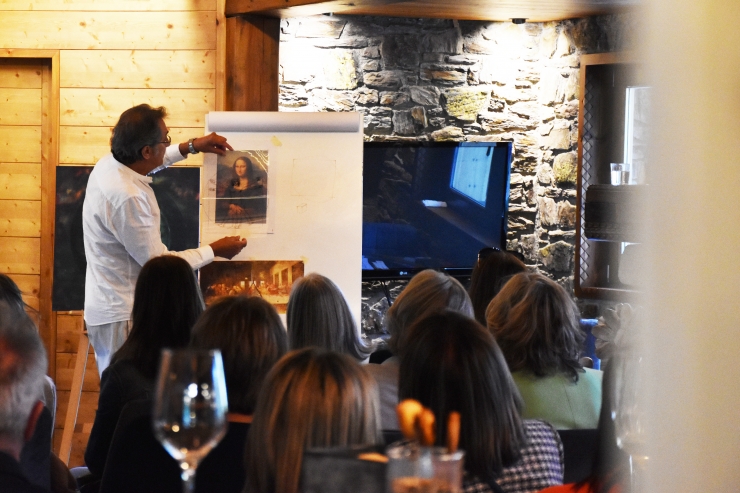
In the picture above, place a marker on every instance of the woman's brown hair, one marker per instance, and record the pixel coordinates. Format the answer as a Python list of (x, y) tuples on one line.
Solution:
[(428, 291), (489, 276), (536, 324), (311, 398), (451, 363), (251, 337)]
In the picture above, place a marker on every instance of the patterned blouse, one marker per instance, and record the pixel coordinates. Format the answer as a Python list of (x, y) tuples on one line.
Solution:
[(540, 466)]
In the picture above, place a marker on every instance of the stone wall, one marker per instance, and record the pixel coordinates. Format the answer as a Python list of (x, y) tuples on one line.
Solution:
[(429, 79)]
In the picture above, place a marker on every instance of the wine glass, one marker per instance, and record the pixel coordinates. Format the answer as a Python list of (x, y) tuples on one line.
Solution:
[(190, 407)]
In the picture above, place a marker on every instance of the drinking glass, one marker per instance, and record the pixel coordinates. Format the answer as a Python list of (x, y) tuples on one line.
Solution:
[(190, 407), (416, 469)]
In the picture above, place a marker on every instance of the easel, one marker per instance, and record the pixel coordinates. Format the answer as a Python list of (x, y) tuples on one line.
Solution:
[(73, 407)]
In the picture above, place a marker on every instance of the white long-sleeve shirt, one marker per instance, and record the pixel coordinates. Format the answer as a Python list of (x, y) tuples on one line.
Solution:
[(120, 221)]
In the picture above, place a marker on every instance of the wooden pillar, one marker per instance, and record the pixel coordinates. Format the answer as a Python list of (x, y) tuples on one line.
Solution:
[(252, 63)]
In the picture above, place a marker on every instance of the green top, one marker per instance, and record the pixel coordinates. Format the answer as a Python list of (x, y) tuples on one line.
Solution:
[(560, 401)]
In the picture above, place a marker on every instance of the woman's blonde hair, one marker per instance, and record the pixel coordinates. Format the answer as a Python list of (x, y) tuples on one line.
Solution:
[(536, 325), (311, 398), (428, 292)]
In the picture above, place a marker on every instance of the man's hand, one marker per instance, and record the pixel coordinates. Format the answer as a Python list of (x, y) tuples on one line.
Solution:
[(212, 143), (228, 246)]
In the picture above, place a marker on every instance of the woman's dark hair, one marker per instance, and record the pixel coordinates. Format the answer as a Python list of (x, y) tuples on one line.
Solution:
[(488, 277), (536, 324), (251, 337), (611, 464), (451, 363), (318, 315), (137, 128), (167, 303)]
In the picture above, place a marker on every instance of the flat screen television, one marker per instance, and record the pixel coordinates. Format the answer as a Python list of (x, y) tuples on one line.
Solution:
[(432, 205)]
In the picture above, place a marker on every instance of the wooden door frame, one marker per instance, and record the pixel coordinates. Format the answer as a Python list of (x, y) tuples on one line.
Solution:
[(49, 162)]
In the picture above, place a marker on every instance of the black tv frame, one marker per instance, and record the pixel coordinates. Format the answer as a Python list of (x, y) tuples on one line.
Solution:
[(460, 272)]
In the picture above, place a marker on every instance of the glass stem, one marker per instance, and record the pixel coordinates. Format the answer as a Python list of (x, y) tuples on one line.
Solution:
[(188, 480)]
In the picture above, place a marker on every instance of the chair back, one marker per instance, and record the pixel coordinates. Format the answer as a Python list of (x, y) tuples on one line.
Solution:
[(138, 462), (579, 448)]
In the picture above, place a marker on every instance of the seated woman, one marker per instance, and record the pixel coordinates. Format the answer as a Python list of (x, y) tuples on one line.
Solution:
[(490, 273), (245, 198), (311, 398), (451, 363), (428, 291), (167, 302), (611, 465), (251, 338), (535, 323), (318, 315)]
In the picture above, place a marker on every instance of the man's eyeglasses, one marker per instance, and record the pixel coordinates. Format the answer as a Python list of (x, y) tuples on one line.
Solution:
[(167, 141), (485, 252)]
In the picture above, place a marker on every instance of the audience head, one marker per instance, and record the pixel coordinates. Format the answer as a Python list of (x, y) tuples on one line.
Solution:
[(493, 268), (318, 315), (428, 291), (251, 338), (167, 303), (136, 128), (451, 363), (536, 324), (23, 367), (311, 398), (11, 294)]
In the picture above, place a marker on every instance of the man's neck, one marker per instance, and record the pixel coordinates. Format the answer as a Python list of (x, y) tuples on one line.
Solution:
[(142, 167)]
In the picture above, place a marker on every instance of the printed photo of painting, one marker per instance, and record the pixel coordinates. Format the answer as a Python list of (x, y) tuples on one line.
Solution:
[(270, 279), (241, 187), (178, 193)]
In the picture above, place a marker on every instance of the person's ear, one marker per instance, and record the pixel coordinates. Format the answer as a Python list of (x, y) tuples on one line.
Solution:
[(33, 418), (147, 152)]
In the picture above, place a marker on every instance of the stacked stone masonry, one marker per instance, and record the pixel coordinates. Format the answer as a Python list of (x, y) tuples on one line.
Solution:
[(430, 79)]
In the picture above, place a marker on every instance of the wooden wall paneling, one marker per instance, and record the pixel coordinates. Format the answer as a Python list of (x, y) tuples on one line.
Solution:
[(69, 328), (20, 255), (79, 440), (109, 30), (20, 218), (49, 161), (29, 286), (85, 419), (103, 5), (252, 64), (65, 363), (20, 181), (221, 49), (86, 145), (102, 107), (19, 106), (20, 144), (138, 68), (20, 74)]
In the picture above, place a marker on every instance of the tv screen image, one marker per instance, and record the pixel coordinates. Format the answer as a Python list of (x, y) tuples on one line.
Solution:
[(432, 205)]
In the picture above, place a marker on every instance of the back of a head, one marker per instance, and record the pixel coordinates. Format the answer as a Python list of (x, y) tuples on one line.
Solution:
[(167, 303), (311, 398), (428, 291), (23, 366), (536, 324), (11, 294), (251, 338), (451, 363), (318, 315), (488, 277), (136, 128)]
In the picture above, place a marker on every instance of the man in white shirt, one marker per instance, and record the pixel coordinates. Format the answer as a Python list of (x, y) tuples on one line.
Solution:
[(120, 220)]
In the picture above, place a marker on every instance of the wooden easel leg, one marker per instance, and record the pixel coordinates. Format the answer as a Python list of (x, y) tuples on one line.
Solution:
[(73, 407)]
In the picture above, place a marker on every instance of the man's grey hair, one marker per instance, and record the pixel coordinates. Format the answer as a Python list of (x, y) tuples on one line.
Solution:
[(23, 366)]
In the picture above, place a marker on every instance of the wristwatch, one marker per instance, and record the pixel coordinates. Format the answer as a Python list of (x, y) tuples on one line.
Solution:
[(191, 147)]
